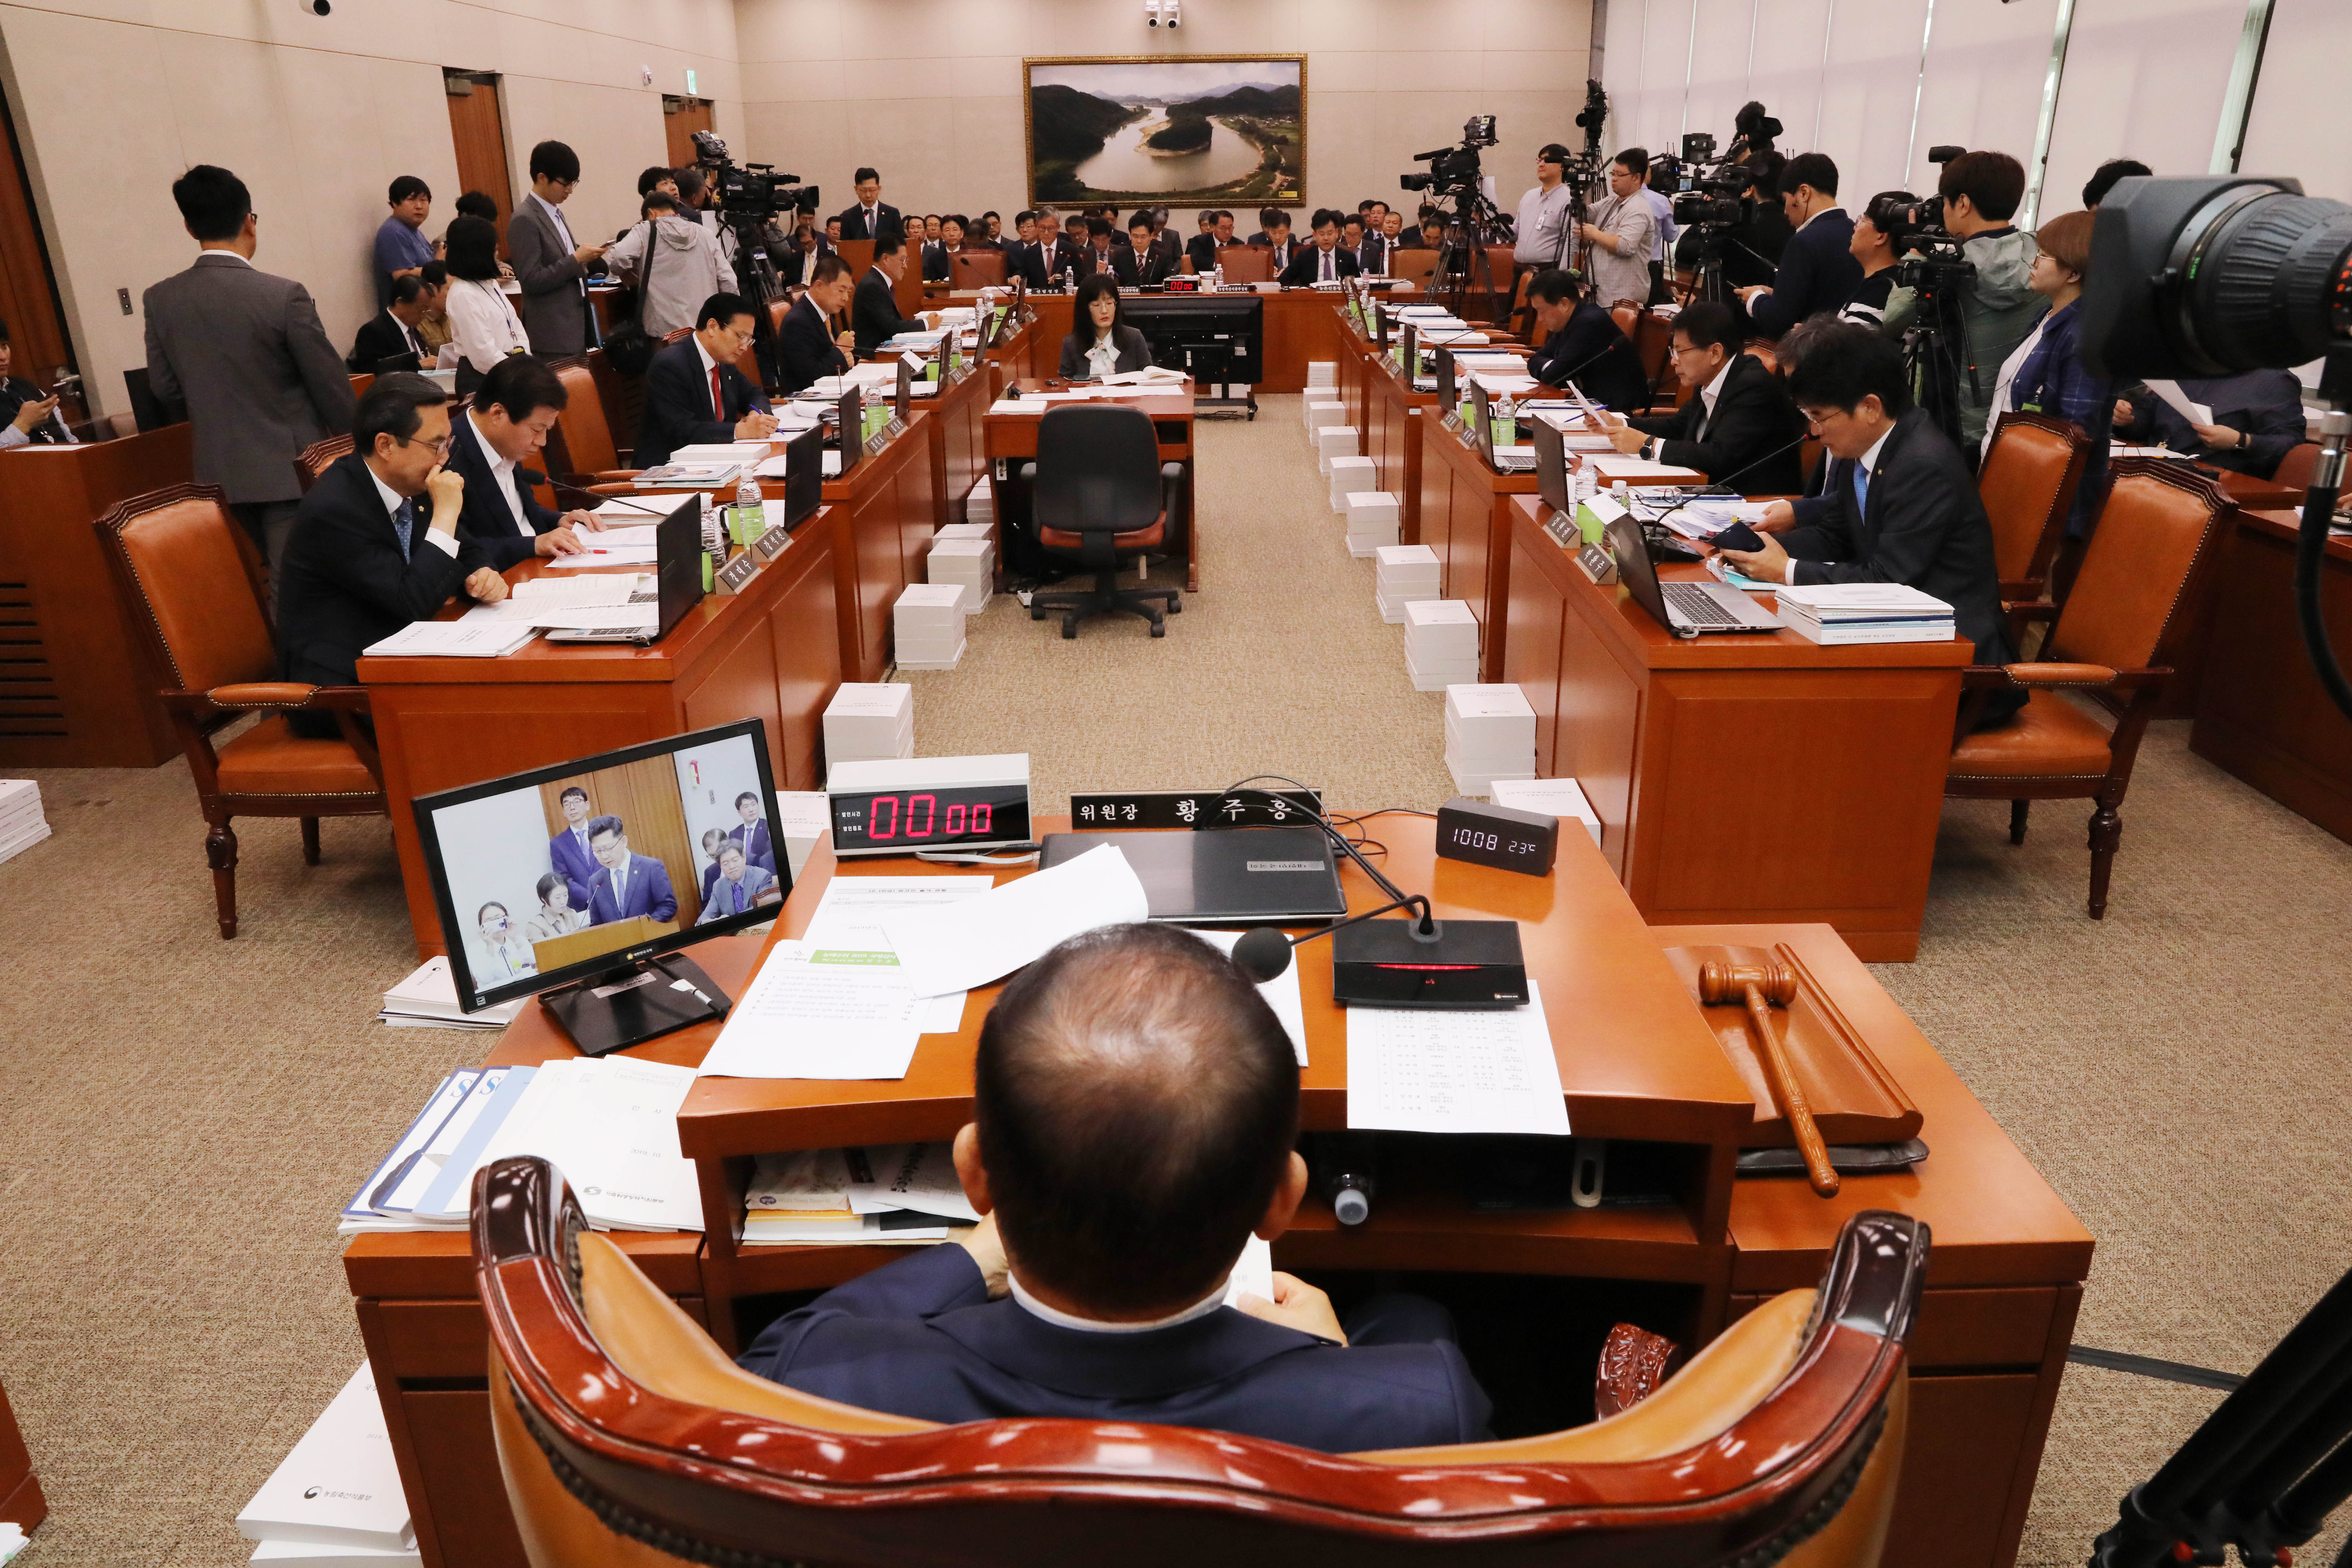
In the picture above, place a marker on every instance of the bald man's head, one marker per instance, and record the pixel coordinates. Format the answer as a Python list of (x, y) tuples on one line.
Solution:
[(1136, 1101)]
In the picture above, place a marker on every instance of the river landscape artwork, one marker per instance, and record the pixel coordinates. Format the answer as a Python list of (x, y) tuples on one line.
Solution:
[(1183, 132)]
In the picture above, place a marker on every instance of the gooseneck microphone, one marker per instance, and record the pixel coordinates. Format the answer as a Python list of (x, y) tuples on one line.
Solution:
[(1263, 952)]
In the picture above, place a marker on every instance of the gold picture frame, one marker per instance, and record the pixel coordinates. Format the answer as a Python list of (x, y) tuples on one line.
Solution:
[(1117, 133)]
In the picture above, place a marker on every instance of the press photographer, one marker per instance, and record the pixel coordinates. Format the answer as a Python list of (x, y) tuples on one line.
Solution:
[(1456, 193), (1995, 302), (1622, 234), (1817, 270), (1741, 235)]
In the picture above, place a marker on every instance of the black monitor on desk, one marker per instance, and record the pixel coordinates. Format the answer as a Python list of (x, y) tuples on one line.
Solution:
[(1210, 337), (1446, 401), (1552, 465), (849, 411), (804, 476)]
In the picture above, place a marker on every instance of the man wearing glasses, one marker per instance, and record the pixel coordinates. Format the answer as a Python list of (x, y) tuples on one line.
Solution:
[(694, 393), (1738, 427), (551, 266), (375, 543)]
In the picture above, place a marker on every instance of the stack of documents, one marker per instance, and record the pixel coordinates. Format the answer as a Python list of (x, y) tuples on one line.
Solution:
[(927, 625), (803, 819), (1710, 515), (967, 564), (1563, 798), (869, 723), (22, 826), (1611, 465), (1349, 474), (1441, 644), (1321, 410), (469, 638), (1864, 612), (966, 531), (1490, 736), (1322, 375), (722, 452), (890, 1194), (1333, 441), (979, 505), (1436, 1071), (427, 999), (678, 475), (608, 1125), (1150, 375), (336, 1497), (1371, 522), (604, 602), (1403, 575)]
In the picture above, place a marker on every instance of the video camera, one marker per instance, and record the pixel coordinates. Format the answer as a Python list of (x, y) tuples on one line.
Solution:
[(1931, 257), (752, 190), (1453, 170), (1708, 192)]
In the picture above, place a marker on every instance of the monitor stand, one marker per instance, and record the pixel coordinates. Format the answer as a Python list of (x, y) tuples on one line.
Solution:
[(636, 1003)]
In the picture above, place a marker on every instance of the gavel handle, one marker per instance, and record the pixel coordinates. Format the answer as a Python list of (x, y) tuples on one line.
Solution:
[(1783, 1079)]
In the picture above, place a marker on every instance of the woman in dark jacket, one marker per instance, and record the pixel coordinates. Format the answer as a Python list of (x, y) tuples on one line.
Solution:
[(1102, 343)]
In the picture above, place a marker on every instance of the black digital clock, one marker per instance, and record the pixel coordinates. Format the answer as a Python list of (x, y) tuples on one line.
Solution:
[(1502, 837), (897, 807)]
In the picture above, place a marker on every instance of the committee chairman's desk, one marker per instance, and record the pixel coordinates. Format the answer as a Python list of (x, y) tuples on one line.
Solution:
[(1638, 1061), (1301, 326)]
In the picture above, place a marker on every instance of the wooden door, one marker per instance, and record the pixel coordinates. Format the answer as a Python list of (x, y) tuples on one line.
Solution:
[(28, 294), (681, 118), (480, 136)]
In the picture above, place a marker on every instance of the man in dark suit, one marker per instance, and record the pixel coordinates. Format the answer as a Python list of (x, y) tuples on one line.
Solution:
[(1738, 428), (244, 353), (1096, 1287), (514, 408), (737, 887), (1099, 254), (567, 851), (1275, 237), (1580, 344), (801, 251), (1322, 261), (1898, 504), (626, 885), (551, 266), (752, 834), (29, 417), (1202, 247), (1373, 249), (872, 217), (873, 317), (807, 348), (1058, 252), (390, 332), (694, 393), (1144, 261), (1818, 271), (364, 559)]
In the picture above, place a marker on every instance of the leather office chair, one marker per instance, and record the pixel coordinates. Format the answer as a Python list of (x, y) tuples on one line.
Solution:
[(318, 456), (1247, 263), (191, 580), (2115, 639), (1099, 494), (977, 269), (581, 453), (1654, 340), (2027, 485), (625, 1437), (1415, 266)]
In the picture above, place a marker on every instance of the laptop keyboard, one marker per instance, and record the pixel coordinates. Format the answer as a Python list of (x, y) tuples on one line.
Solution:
[(1696, 606)]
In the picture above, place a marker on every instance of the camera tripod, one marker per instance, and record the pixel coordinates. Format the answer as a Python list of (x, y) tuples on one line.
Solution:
[(756, 281), (1463, 252), (1934, 351)]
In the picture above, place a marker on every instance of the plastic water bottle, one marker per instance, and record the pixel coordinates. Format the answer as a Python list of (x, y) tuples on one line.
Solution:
[(1506, 421), (1217, 277), (750, 517)]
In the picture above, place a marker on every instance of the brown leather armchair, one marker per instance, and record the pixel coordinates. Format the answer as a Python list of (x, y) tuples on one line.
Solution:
[(2027, 485), (626, 1437), (318, 456), (1415, 266), (978, 269), (191, 580), (1247, 263), (588, 460), (2115, 641)]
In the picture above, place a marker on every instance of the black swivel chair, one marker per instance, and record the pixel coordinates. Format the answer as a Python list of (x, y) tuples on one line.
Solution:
[(1100, 495)]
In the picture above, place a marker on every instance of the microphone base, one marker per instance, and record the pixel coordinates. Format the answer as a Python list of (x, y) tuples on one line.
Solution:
[(1469, 965)]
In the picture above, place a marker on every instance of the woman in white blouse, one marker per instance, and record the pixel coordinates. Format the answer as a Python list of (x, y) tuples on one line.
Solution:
[(482, 322), (1101, 342)]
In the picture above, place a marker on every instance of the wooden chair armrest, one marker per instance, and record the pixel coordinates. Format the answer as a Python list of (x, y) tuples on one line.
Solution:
[(261, 694), (2023, 590), (2030, 610), (275, 696), (2055, 676)]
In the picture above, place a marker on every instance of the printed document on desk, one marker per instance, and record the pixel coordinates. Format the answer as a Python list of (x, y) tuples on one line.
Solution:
[(978, 940), (1281, 993), (462, 638), (849, 919), (849, 1015), (605, 555), (1412, 1071), (1615, 465), (610, 1125)]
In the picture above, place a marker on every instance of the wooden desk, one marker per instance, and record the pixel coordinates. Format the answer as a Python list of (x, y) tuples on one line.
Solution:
[(77, 688), (1390, 417), (959, 444), (1465, 515), (1301, 325), (1011, 439), (772, 652), (1841, 751), (2260, 713)]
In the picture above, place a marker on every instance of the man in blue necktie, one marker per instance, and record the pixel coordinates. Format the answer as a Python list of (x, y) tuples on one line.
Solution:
[(738, 886)]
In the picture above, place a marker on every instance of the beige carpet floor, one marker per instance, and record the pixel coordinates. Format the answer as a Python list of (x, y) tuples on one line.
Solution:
[(179, 1116)]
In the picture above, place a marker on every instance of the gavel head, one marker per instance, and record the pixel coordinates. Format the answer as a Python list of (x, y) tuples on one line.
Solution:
[(1720, 982)]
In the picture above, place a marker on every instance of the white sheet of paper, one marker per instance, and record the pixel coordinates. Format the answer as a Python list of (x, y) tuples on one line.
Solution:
[(2170, 393), (622, 509), (975, 940), (1616, 466), (572, 592), (1412, 1071), (1253, 1272), (849, 918), (917, 1177), (465, 638), (1281, 993), (606, 555), (819, 1020), (623, 535), (600, 618)]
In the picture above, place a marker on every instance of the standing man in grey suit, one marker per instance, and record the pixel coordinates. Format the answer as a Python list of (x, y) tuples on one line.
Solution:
[(551, 266), (244, 352)]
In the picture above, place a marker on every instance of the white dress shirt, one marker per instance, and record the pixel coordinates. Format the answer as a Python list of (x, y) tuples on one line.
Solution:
[(555, 216), (1707, 396), (1061, 1320), (503, 469), (392, 500), (483, 323)]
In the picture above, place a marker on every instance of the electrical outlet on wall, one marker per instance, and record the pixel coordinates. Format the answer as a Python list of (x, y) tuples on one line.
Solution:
[(124, 295)]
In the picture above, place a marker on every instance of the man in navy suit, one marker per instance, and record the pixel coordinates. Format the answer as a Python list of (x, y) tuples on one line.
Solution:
[(694, 393), (807, 348), (1325, 261), (1095, 1288), (1818, 271), (513, 410), (567, 851), (753, 835), (872, 217), (626, 885), (737, 887)]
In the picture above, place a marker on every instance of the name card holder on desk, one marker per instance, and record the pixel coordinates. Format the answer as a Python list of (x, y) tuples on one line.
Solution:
[(770, 544), (733, 577)]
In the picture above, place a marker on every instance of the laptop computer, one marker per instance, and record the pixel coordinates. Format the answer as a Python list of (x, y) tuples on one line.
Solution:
[(678, 584), (1443, 383), (804, 476), (850, 410), (1686, 609), (1511, 459), (1236, 876), (1551, 467)]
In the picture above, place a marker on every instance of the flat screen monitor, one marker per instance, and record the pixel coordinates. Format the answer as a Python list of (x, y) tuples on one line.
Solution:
[(1212, 337), (1482, 423), (903, 397), (677, 564), (804, 476), (566, 873), (1552, 465), (850, 406), (1446, 401)]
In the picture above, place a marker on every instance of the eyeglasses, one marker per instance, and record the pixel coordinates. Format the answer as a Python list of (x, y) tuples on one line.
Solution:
[(441, 447)]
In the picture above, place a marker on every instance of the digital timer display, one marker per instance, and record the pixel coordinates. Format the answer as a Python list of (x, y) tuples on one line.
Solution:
[(1497, 835), (939, 818)]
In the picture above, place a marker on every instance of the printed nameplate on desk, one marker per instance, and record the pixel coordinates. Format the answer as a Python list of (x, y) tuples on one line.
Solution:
[(740, 570), (896, 428), (1188, 808), (1453, 422), (1564, 532), (770, 544), (878, 442)]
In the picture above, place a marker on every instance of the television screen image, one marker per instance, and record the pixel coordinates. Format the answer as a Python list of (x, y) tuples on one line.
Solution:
[(554, 875)]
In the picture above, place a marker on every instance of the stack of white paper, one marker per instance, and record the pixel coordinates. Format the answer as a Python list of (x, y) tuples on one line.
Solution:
[(22, 826), (888, 1195), (608, 1125), (1321, 411), (487, 638), (927, 625), (979, 505), (976, 941), (722, 452), (1490, 736), (803, 819), (1322, 375), (1441, 644), (1563, 798), (427, 999), (1371, 522), (869, 722), (1349, 474), (1403, 575), (1842, 612), (1333, 441), (965, 530), (967, 563), (1432, 1072), (338, 1489)]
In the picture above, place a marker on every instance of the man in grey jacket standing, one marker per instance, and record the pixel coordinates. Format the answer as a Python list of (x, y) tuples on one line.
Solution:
[(244, 352), (1981, 191), (551, 266)]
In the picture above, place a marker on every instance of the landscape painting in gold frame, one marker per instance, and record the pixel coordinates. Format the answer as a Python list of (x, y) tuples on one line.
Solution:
[(1172, 130)]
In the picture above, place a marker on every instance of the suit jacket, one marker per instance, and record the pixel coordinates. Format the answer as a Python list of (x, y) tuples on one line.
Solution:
[(488, 521), (1121, 262), (874, 313), (1166, 244), (805, 350), (677, 404), (853, 222), (1818, 272), (244, 351), (1136, 268), (1306, 265), (936, 266), (1372, 256), (1597, 355), (1753, 416), (715, 897), (792, 265), (2263, 405), (1924, 526), (759, 849), (575, 863), (1063, 257), (1134, 353), (554, 289), (1283, 252), (1202, 249), (647, 892), (920, 1337), (344, 584), (382, 338)]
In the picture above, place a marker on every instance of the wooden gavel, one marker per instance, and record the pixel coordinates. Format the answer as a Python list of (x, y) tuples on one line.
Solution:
[(1759, 983)]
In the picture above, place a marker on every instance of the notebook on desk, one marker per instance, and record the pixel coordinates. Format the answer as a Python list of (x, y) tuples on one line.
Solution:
[(1242, 876)]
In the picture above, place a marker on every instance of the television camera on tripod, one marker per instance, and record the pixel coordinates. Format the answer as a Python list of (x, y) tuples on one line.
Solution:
[(750, 197), (1455, 185)]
